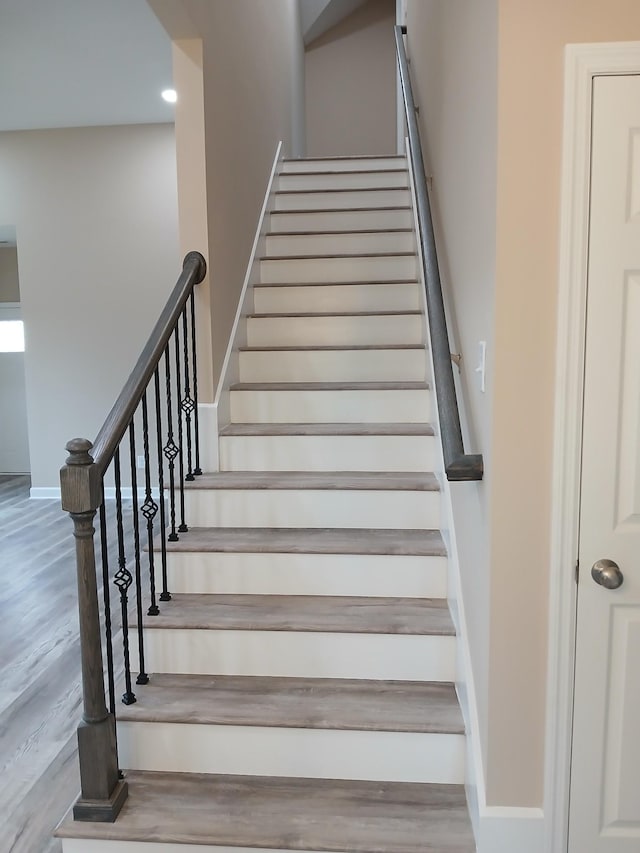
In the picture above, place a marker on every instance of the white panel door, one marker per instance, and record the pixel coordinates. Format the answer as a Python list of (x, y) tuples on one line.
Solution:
[(605, 779)]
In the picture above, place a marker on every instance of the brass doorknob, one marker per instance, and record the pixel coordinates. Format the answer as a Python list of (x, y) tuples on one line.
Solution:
[(607, 574)]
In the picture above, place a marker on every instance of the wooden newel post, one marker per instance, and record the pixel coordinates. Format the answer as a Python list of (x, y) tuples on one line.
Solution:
[(102, 792)]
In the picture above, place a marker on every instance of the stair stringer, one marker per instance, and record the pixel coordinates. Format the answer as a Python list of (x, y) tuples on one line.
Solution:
[(215, 416)]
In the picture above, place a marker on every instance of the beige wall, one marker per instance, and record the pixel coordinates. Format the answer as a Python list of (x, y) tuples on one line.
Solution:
[(506, 602), (252, 68), (96, 216), (350, 85), (9, 284), (532, 38)]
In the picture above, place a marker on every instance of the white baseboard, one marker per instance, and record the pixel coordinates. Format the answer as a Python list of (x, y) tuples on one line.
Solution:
[(44, 493), (50, 493), (505, 830)]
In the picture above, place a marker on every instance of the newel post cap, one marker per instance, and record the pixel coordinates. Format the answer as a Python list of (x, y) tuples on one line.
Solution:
[(80, 485)]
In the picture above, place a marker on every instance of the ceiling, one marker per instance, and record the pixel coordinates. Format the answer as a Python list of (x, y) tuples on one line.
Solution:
[(74, 63)]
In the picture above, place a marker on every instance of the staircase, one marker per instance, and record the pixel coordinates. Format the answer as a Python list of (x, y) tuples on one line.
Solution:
[(302, 696)]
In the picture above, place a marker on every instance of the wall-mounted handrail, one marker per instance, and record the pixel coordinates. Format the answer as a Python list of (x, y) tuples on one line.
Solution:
[(458, 464), (161, 392)]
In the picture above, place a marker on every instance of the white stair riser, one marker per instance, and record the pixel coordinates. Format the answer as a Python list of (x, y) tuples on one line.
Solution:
[(347, 407), (369, 268), (308, 574), (370, 365), (280, 751), (327, 453), (340, 243), (337, 298), (344, 180), (342, 200), (299, 654), (336, 220), (352, 330), (343, 164), (312, 508)]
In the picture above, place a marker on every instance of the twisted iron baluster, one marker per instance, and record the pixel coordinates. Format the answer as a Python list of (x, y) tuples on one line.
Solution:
[(187, 404), (106, 591), (196, 425), (142, 678), (182, 527), (123, 581), (165, 595), (170, 449), (149, 508)]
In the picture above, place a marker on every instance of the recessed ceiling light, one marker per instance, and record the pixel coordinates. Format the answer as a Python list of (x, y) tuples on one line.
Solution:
[(170, 96)]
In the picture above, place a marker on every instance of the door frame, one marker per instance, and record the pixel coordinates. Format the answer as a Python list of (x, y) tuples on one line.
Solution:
[(583, 62)]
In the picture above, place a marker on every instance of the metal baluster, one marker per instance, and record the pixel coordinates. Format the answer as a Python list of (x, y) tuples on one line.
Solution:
[(187, 403), (106, 591), (165, 595), (196, 425), (170, 449), (142, 678), (182, 527), (123, 581), (149, 508)]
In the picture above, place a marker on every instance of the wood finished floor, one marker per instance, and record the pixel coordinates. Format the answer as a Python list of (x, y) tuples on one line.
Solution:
[(40, 696)]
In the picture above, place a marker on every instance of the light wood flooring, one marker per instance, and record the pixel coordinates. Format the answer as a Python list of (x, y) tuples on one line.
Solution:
[(40, 694)]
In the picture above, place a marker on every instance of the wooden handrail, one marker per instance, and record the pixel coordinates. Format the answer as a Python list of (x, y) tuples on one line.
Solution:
[(194, 270), (458, 464)]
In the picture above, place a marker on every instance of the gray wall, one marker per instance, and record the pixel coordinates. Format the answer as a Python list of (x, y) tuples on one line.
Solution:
[(351, 85), (9, 284), (96, 215)]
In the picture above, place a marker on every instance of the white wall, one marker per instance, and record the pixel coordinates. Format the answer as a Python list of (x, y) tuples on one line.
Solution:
[(96, 215), (351, 85)]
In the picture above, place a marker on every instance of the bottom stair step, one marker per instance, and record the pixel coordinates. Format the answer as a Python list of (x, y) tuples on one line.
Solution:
[(175, 812)]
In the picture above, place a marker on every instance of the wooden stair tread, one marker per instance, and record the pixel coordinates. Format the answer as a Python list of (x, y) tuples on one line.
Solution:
[(335, 172), (345, 157), (317, 480), (335, 348), (341, 190), (334, 283), (330, 386), (340, 255), (284, 813), (316, 540), (338, 313), (343, 209), (338, 233), (304, 613), (306, 703), (327, 429)]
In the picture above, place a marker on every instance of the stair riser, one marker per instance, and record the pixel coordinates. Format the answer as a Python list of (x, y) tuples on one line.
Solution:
[(337, 298), (345, 220), (298, 654), (275, 751), (308, 574), (349, 407), (338, 244), (301, 270), (342, 164), (372, 365), (312, 508), (379, 329), (344, 180), (342, 200), (327, 453)]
